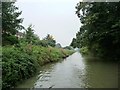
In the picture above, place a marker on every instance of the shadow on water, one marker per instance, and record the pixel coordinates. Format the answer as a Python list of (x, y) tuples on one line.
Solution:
[(76, 72), (101, 73)]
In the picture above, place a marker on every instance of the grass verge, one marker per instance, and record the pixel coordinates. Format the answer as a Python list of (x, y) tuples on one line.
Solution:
[(20, 63)]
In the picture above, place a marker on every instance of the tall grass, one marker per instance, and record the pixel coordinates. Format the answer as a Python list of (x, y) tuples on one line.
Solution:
[(22, 62)]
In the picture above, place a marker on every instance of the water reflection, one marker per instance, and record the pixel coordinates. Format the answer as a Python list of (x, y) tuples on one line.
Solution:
[(77, 72), (102, 74)]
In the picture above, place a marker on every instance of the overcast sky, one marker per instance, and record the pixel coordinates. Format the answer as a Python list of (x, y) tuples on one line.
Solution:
[(55, 17)]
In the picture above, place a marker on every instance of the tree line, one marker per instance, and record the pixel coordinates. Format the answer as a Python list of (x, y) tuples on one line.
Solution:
[(12, 26), (99, 33)]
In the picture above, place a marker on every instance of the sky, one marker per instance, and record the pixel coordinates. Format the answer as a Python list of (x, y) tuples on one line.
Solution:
[(55, 17)]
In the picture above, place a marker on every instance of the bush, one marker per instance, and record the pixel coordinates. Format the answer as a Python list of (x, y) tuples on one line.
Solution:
[(17, 65), (21, 62), (84, 51)]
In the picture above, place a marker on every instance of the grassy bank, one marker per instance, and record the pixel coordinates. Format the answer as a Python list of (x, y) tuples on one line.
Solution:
[(22, 62)]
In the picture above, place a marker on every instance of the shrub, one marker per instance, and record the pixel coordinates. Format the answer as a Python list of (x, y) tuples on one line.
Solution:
[(84, 50), (21, 62)]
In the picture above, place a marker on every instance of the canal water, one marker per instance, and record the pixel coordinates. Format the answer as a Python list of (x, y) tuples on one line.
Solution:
[(75, 72)]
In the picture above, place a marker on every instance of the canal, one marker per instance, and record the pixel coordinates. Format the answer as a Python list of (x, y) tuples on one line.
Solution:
[(75, 72)]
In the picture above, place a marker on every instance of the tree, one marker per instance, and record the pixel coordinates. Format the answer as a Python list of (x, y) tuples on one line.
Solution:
[(29, 34), (11, 24), (73, 43), (50, 40), (100, 30), (30, 37)]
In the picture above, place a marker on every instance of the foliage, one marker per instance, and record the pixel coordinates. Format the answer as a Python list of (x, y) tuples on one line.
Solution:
[(33, 39), (100, 30), (9, 39), (30, 37), (73, 43), (21, 57), (84, 50), (21, 62), (10, 22), (50, 40)]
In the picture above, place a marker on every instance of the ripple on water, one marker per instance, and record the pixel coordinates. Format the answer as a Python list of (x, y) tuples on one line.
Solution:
[(75, 72)]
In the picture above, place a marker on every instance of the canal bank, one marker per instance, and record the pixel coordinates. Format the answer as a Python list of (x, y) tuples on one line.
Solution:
[(75, 72), (21, 63)]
